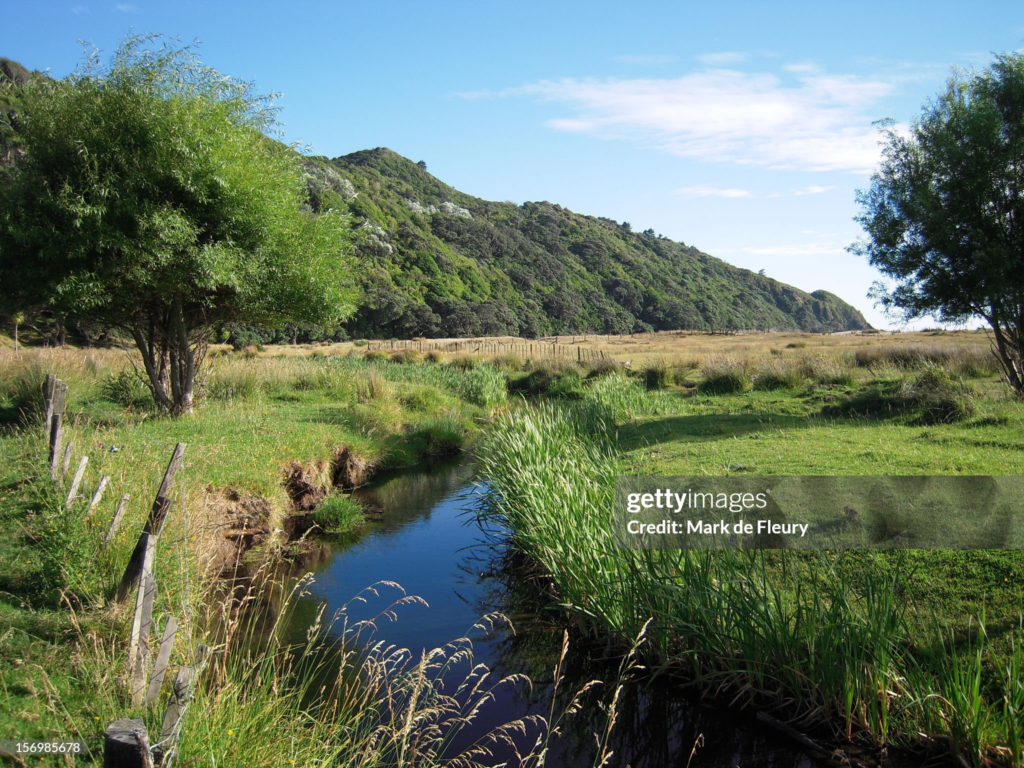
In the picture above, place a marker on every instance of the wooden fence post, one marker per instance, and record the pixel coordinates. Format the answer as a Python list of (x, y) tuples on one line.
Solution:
[(55, 456), (126, 745), (142, 622), (161, 505), (79, 474), (184, 682), (116, 522), (98, 495), (163, 657), (49, 386), (66, 461)]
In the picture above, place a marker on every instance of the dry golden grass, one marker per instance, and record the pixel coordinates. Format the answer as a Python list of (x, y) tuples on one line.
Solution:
[(640, 349)]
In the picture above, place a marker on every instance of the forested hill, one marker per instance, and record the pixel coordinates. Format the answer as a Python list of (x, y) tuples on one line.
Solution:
[(437, 262)]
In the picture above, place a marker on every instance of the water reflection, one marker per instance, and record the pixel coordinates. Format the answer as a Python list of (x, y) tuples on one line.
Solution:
[(425, 541)]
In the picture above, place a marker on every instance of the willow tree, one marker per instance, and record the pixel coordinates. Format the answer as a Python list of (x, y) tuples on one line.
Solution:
[(152, 199), (944, 215)]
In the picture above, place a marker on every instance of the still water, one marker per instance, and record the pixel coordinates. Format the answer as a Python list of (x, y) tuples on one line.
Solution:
[(427, 540)]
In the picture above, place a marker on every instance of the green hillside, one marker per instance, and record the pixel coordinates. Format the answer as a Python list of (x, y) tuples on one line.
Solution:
[(438, 262)]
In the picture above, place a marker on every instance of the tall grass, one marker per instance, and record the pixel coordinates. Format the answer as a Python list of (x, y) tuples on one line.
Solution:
[(724, 374), (823, 638), (965, 360)]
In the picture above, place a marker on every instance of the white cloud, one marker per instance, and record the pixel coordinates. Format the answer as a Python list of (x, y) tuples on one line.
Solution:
[(723, 58), (813, 189), (645, 59), (707, 191), (127, 7), (813, 121), (78, 10)]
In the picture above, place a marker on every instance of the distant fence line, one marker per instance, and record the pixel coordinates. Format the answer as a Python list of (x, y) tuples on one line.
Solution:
[(525, 348)]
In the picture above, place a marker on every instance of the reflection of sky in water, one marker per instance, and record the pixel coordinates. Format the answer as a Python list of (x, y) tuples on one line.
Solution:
[(426, 542), (423, 556)]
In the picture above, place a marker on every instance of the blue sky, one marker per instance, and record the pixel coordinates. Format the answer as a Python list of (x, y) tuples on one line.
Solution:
[(743, 128)]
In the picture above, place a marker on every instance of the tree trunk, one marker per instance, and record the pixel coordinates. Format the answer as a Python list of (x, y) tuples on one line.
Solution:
[(1009, 350), (183, 362)]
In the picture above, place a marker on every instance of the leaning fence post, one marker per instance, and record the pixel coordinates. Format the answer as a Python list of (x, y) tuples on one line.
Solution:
[(161, 505), (98, 495), (181, 695), (116, 522), (138, 647), (163, 656), (79, 474), (66, 462)]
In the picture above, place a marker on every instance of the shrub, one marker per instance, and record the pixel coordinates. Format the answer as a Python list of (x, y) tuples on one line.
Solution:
[(797, 345), (360, 342), (126, 387), (724, 375), (338, 513)]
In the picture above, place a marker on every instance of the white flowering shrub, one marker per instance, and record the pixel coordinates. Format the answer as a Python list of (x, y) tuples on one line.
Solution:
[(453, 210)]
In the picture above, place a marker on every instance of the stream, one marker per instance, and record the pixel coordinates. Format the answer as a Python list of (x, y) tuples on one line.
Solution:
[(427, 540)]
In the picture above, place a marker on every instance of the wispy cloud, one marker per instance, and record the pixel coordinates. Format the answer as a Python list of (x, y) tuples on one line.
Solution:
[(723, 58), (127, 7), (811, 120), (794, 251), (708, 191), (645, 59), (813, 189), (78, 10)]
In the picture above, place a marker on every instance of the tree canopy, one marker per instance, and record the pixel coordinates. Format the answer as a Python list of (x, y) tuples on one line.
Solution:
[(152, 199), (944, 215)]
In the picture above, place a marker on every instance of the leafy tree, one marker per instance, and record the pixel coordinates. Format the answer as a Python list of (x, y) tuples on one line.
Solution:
[(151, 199), (944, 215)]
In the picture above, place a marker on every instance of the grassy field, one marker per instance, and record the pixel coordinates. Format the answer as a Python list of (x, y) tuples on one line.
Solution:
[(271, 435), (874, 647), (871, 646)]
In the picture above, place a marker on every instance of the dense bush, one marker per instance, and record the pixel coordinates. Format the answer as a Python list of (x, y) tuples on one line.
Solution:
[(126, 387)]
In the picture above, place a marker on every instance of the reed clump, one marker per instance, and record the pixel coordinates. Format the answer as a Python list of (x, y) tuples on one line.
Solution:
[(824, 637), (724, 374), (778, 373)]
